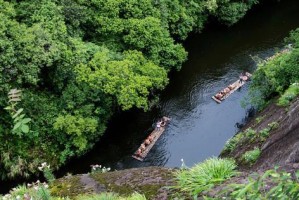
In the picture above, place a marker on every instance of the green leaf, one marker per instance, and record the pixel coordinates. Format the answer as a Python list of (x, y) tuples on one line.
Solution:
[(17, 113), (8, 108), (26, 120), (16, 126), (25, 128)]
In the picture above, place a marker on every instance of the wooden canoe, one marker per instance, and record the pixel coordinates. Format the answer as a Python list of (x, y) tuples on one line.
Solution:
[(155, 135), (236, 85)]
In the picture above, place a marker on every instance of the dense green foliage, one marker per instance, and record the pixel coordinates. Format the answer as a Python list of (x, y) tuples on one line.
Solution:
[(204, 176), (269, 185), (76, 61), (276, 74), (289, 95), (40, 191)]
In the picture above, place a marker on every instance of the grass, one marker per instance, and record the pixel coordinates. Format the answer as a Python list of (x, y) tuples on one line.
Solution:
[(291, 93), (250, 157), (23, 191), (232, 143), (42, 193), (205, 175), (239, 138), (259, 119), (272, 184)]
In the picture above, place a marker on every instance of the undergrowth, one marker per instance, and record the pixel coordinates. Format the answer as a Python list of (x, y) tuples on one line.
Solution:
[(271, 185), (204, 176), (249, 136), (290, 94)]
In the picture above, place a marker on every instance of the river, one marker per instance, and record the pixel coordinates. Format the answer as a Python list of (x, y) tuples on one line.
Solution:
[(199, 127)]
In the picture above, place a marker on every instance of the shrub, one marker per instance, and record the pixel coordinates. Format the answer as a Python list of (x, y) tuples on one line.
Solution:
[(289, 95), (205, 175), (273, 125), (250, 157), (99, 169), (264, 133), (231, 144), (250, 133), (37, 191), (282, 186), (259, 119)]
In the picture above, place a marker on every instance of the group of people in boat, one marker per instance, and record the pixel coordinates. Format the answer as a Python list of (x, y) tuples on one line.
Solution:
[(162, 122), (243, 77), (142, 147)]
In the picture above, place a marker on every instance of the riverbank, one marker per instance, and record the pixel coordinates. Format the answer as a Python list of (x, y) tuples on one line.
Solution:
[(280, 148)]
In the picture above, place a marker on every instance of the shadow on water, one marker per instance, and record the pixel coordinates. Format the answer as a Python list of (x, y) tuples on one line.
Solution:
[(199, 127)]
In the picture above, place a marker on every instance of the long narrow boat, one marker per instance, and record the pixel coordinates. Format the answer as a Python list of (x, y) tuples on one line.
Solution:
[(155, 136), (236, 85)]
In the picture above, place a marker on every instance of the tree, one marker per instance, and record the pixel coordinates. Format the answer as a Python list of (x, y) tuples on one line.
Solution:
[(130, 79)]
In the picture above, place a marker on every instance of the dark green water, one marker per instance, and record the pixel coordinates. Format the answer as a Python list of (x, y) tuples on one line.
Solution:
[(199, 127)]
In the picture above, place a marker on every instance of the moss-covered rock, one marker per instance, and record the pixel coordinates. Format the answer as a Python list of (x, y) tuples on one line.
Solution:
[(150, 181)]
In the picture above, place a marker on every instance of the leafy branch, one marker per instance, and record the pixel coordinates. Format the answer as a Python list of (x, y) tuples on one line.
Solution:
[(21, 123)]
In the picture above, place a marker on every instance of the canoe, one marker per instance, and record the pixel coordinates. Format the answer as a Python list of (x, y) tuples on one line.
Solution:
[(236, 85), (155, 134)]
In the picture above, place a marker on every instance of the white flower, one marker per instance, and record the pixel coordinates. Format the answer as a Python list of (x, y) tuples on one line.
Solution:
[(182, 160), (18, 197)]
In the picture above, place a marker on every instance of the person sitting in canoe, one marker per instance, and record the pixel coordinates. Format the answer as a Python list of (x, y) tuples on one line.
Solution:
[(147, 141), (219, 96), (164, 120), (158, 125), (245, 78), (138, 152), (248, 75), (231, 86), (226, 90), (142, 147), (150, 138), (241, 77)]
